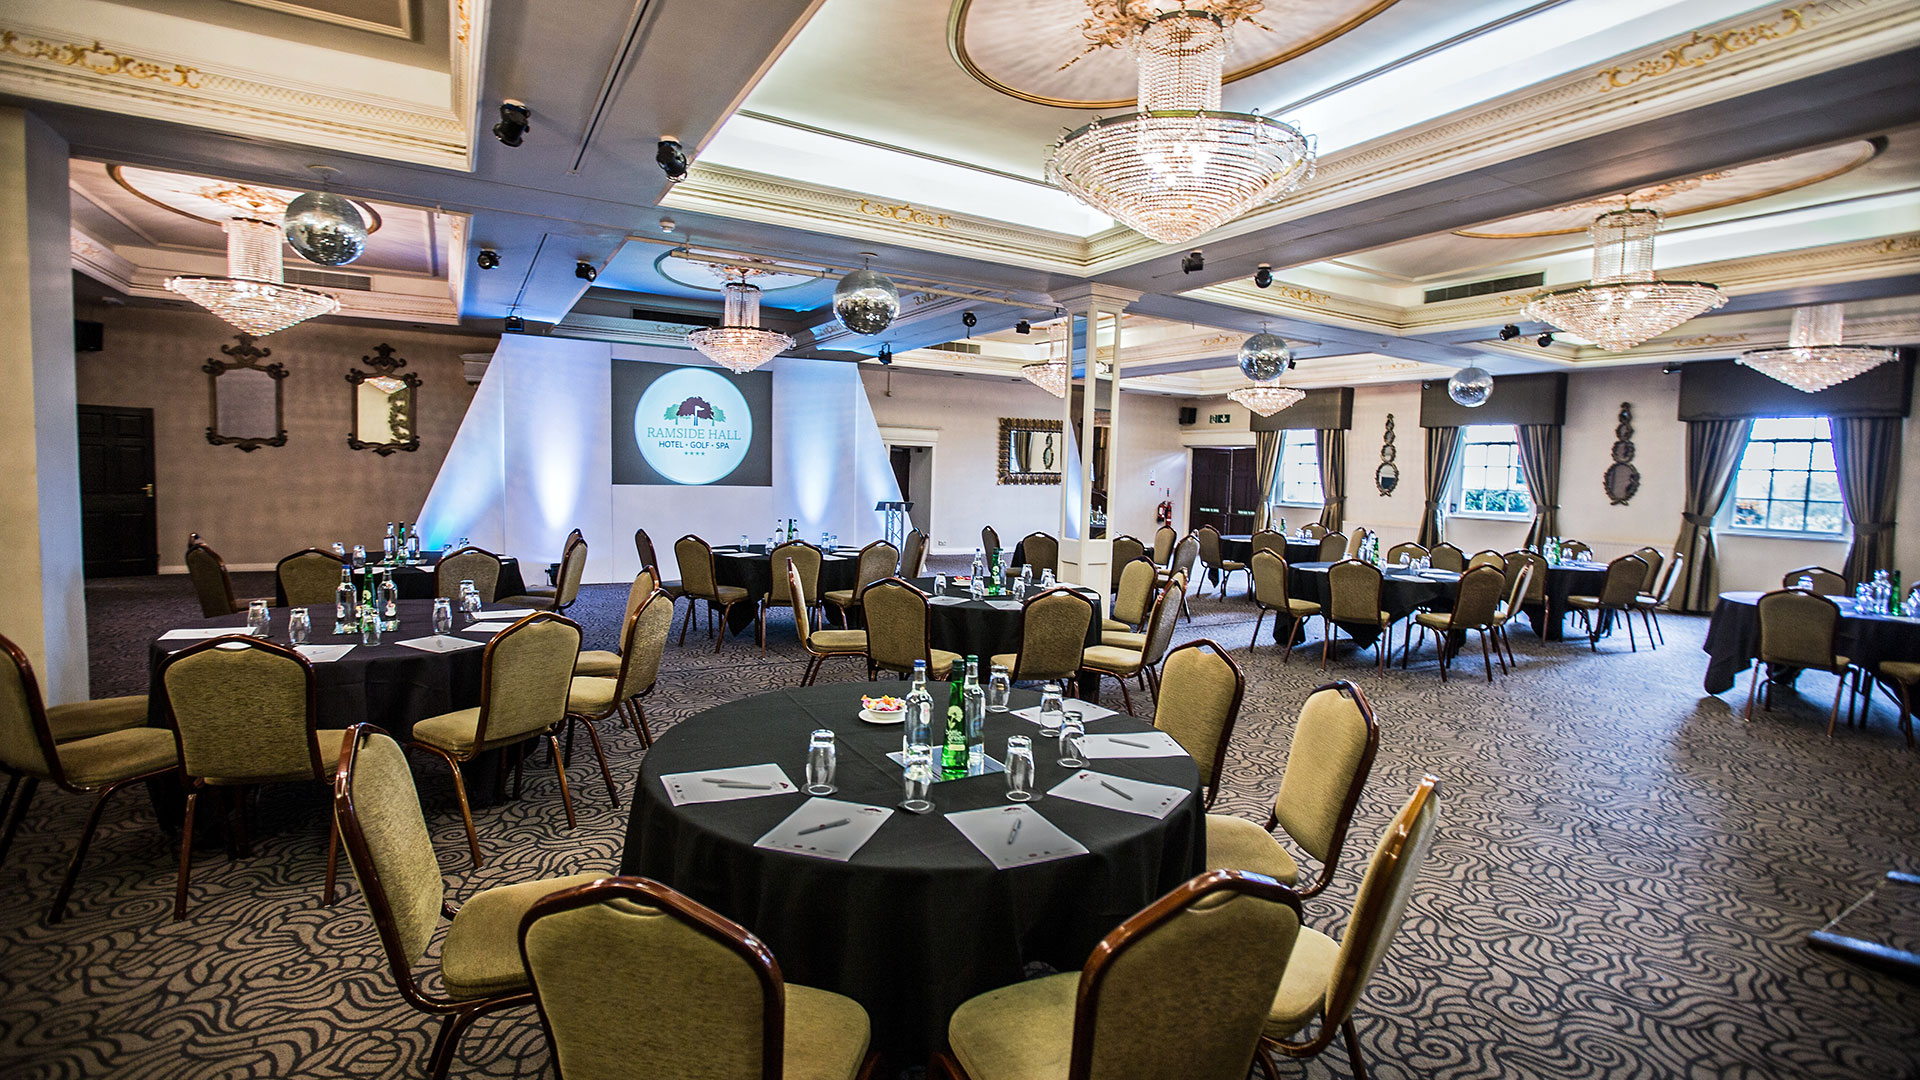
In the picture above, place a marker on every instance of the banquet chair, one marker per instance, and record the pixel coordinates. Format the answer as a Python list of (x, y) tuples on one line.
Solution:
[(1126, 655), (700, 581), (1270, 594), (1179, 991), (718, 1006), (1184, 553), (989, 540), (211, 582), (1053, 636), (1334, 742), (1325, 978), (467, 564), (1476, 606), (1353, 596), (1798, 632), (877, 560), (1125, 550), (1359, 537), (243, 711), (1654, 559), (913, 554), (1825, 582), (643, 544), (1625, 576), (1134, 597), (1040, 551), (377, 810), (1333, 547), (1407, 548), (1197, 701), (821, 645), (1214, 561), (1903, 674), (899, 630), (86, 765), (1535, 595), (806, 559), (566, 584), (1314, 530), (1164, 541), (308, 578), (1649, 603), (605, 663), (1488, 557), (1578, 550), (525, 676), (591, 698), (1445, 556), (1266, 540), (1521, 588)]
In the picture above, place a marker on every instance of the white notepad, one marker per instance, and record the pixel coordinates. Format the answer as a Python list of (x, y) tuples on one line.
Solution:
[(826, 829), (1134, 744), (1005, 605), (1015, 835), (1120, 793), (196, 633), (946, 599), (324, 654), (440, 644), (725, 785), (485, 628), (1089, 712), (510, 613)]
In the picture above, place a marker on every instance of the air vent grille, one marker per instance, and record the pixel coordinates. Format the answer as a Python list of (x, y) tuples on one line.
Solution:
[(328, 279), (966, 347), (1486, 288), (675, 318)]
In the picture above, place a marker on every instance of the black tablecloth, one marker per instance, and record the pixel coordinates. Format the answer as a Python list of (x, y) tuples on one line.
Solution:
[(977, 628), (918, 921), (753, 571), (1400, 596), (1240, 549), (418, 582), (1733, 638)]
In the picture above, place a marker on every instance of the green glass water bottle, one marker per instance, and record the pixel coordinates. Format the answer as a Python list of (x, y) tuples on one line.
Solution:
[(953, 748)]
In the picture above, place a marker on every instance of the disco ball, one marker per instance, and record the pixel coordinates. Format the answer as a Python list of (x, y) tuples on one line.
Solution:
[(1470, 386), (325, 228), (1264, 357), (866, 302)]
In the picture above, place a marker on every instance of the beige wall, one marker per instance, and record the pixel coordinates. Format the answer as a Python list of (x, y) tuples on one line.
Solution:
[(254, 507)]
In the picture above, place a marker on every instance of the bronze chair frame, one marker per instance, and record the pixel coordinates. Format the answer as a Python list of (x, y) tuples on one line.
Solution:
[(713, 575), (989, 539), (797, 598), (450, 590), (1625, 608), (912, 564), (1093, 615), (234, 607), (858, 588), (1453, 627), (1845, 676), (1146, 673), (1233, 707), (627, 709), (926, 625), (1219, 563), (1351, 802), (767, 602), (280, 585), (1382, 647), (1026, 549), (1817, 573), (649, 560), (1287, 594)]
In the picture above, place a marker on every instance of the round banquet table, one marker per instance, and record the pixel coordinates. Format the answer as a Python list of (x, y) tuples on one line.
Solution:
[(918, 920), (1239, 548), (1403, 593), (417, 582), (1733, 638), (983, 628), (752, 570)]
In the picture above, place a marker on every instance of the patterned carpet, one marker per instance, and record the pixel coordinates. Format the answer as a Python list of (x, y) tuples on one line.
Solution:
[(1622, 885)]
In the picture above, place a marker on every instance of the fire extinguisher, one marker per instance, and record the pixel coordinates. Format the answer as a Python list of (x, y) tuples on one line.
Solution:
[(1163, 514)]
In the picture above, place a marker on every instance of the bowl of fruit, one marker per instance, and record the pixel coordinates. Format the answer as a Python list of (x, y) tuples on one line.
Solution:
[(885, 709)]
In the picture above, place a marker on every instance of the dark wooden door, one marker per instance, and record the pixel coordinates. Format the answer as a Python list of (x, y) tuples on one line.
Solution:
[(901, 457), (1244, 494), (116, 491), (1225, 494)]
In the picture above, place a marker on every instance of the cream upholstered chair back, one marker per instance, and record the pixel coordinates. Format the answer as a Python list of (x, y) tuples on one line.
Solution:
[(643, 546), (1125, 550), (719, 1006), (1353, 592), (1135, 598), (1334, 742), (1161, 621), (1360, 534), (1382, 902), (525, 677), (798, 598), (1445, 556), (644, 583), (1164, 539), (1267, 540), (1489, 557), (643, 641), (385, 834), (1187, 550), (1181, 990), (1478, 599), (1408, 548), (1333, 547), (1270, 580), (467, 564), (1652, 557), (1825, 582), (1537, 583), (1198, 703), (1798, 629), (877, 560), (989, 540), (1209, 538), (211, 582), (1626, 576), (913, 554), (695, 557), (242, 711), (573, 566), (1519, 584), (26, 741), (1040, 551), (896, 616), (309, 577), (1314, 530), (1053, 634), (805, 559)]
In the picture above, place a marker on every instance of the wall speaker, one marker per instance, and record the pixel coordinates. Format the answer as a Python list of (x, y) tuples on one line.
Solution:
[(89, 336), (1188, 415)]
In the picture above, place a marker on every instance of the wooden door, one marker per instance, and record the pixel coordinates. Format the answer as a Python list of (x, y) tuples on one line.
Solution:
[(1243, 494), (1212, 481), (116, 491)]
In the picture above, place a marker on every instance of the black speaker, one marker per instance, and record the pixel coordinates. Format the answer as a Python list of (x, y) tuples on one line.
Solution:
[(1188, 415), (88, 336)]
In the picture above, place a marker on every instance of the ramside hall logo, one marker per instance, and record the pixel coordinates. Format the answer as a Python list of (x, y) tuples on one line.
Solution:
[(698, 408)]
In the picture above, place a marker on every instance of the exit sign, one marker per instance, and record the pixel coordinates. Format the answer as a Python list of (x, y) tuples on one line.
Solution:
[(1220, 418)]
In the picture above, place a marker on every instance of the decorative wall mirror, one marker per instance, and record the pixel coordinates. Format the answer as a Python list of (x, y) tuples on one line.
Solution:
[(1031, 451), (1622, 480), (244, 405), (1387, 476), (383, 404)]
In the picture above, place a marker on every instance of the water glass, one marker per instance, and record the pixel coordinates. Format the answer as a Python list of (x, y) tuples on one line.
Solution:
[(743, 542), (918, 781), (770, 542), (370, 631), (299, 626), (1073, 736), (442, 615), (939, 584), (977, 587), (1019, 589), (1026, 573), (340, 549), (359, 556), (1020, 769), (1046, 579), (822, 759), (1052, 710), (999, 688), (258, 618)]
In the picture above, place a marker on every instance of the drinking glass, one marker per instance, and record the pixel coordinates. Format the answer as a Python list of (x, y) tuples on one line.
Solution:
[(299, 626), (386, 549), (977, 587), (1026, 573), (918, 780), (442, 615), (1019, 589), (340, 549), (258, 618), (743, 542), (939, 584), (1046, 579), (826, 539), (1073, 735), (822, 759), (359, 556), (1020, 769), (999, 687), (1052, 710)]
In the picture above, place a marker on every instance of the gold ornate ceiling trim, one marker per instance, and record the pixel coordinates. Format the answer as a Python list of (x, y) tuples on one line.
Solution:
[(98, 60), (246, 198), (1701, 49), (957, 48), (400, 27)]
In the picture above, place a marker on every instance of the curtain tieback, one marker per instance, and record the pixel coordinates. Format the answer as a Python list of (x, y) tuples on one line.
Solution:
[(1704, 521), (1871, 528)]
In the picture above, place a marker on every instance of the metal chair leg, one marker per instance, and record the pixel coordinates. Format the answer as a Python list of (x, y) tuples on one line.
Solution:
[(460, 794), (59, 909), (599, 752), (17, 812), (186, 858), (1257, 620), (560, 769)]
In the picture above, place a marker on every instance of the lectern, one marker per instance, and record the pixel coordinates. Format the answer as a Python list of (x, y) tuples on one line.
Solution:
[(896, 521)]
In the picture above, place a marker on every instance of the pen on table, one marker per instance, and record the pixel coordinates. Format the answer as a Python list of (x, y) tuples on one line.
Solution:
[(736, 783), (1116, 791), (1130, 742), (823, 827), (1013, 832)]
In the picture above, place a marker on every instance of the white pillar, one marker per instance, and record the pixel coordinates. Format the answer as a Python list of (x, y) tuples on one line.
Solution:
[(1083, 559)]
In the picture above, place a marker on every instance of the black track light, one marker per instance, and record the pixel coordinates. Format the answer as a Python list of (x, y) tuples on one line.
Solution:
[(488, 259), (1545, 339), (1263, 277), (1023, 327), (969, 320), (585, 271), (1509, 332), (514, 122), (886, 355), (515, 325), (1193, 262), (673, 160)]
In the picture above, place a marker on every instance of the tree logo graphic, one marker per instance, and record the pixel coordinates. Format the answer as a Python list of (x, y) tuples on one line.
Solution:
[(698, 408)]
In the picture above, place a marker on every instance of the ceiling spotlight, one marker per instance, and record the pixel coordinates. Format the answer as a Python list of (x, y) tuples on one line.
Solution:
[(1545, 339), (886, 355), (1263, 277), (969, 320), (514, 325), (488, 259), (1193, 262), (673, 160), (585, 271), (513, 125), (1671, 367), (1509, 332), (1023, 327), (667, 224)]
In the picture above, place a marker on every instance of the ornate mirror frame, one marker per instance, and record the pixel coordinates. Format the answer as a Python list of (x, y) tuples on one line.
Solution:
[(385, 366), (1010, 426), (1621, 481), (1387, 476), (245, 357)]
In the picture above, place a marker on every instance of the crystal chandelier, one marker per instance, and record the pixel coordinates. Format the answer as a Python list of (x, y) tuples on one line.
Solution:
[(1813, 358), (738, 343), (1052, 373), (254, 296), (1179, 166), (1624, 305), (1264, 358)]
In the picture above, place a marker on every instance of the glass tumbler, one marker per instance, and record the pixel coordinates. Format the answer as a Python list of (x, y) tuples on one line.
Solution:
[(299, 626), (918, 781), (822, 760), (258, 618), (1073, 736), (1020, 769), (743, 541), (442, 615), (359, 556), (340, 549), (999, 689), (939, 584), (1052, 710)]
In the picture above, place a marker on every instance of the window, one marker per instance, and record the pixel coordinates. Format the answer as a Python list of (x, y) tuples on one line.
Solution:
[(1786, 481), (1490, 478), (1299, 481)]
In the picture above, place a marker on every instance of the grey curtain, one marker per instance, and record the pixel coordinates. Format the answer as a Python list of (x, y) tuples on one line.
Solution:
[(1713, 454), (1266, 461), (1333, 476), (1443, 453), (1540, 467), (1866, 451)]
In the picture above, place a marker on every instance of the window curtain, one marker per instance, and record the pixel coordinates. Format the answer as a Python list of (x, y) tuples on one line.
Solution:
[(1713, 454), (1266, 462), (1540, 466), (1443, 453), (1866, 452), (1333, 476)]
